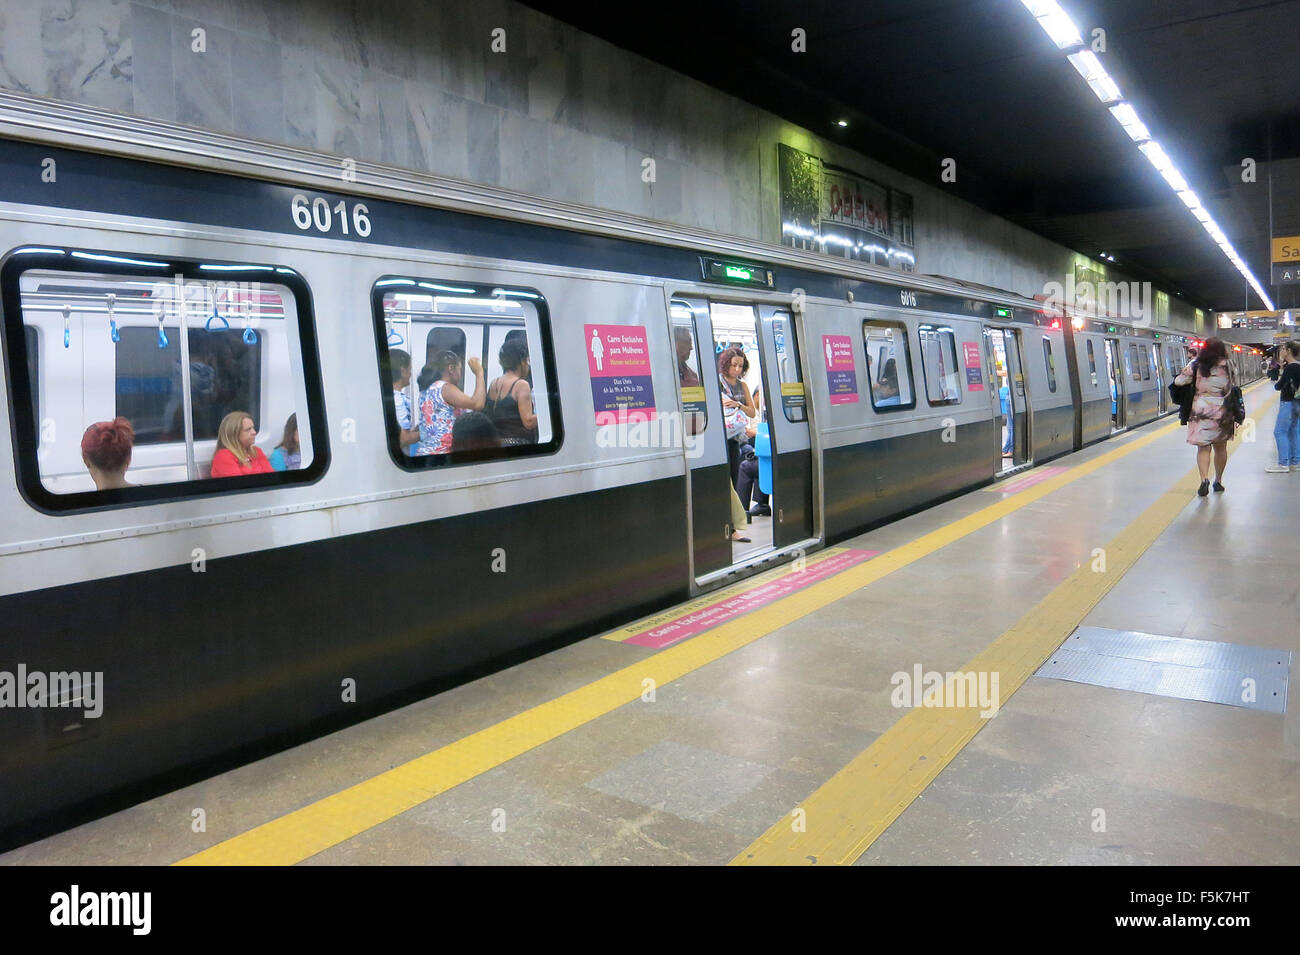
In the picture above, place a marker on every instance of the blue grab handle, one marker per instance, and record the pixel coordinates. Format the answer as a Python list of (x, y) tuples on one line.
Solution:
[(395, 338), (162, 337), (214, 317), (112, 331), (250, 337), (67, 337)]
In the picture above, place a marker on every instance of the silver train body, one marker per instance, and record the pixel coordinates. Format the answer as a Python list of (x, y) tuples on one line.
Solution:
[(229, 617)]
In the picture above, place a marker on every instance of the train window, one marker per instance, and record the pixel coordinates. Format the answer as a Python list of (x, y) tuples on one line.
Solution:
[(1146, 363), (1134, 363), (174, 347), (1092, 357), (939, 364), (789, 371), (889, 364), (686, 338), (484, 386), (1049, 363), (225, 372)]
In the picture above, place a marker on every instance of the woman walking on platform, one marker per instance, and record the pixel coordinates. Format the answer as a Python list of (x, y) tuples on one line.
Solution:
[(1210, 425)]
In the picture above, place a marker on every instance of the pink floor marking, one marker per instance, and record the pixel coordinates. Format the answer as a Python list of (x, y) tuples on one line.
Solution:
[(723, 610), (1042, 474)]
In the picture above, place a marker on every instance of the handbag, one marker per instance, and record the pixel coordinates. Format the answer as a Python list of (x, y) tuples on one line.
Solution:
[(1235, 405)]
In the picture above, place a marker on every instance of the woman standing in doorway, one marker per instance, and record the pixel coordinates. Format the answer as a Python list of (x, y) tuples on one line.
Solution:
[(1210, 426), (732, 368)]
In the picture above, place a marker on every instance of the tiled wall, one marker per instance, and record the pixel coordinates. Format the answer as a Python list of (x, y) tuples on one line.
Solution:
[(414, 83)]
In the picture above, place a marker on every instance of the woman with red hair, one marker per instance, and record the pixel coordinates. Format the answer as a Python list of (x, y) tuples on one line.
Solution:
[(106, 450)]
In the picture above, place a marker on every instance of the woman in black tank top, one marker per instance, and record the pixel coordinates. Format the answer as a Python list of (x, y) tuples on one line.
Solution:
[(510, 399)]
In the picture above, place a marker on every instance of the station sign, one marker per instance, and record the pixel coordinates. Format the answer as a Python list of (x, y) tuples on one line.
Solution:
[(736, 273), (1286, 273), (1287, 249)]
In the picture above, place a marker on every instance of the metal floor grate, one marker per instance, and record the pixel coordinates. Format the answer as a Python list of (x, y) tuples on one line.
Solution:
[(1174, 666)]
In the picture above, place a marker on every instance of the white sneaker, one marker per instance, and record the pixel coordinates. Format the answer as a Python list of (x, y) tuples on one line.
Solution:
[(1277, 469)]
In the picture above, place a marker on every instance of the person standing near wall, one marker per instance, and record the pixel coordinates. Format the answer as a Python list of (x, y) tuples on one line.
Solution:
[(1286, 430)]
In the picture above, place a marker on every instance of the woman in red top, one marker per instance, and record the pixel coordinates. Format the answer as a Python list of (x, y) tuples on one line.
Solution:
[(236, 454)]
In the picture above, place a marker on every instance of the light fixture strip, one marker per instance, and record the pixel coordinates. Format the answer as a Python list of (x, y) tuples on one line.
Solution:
[(1058, 25)]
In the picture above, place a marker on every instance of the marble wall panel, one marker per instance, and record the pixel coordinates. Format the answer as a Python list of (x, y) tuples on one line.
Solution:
[(202, 71), (257, 79), (153, 91)]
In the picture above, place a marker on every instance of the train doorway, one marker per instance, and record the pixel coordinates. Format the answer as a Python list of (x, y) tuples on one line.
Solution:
[(735, 417), (1116, 385), (1008, 379)]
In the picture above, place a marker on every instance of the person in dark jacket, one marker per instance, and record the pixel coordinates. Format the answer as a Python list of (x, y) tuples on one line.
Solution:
[(1286, 431)]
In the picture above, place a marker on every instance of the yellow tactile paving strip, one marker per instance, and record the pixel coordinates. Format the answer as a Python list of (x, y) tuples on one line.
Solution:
[(841, 820), (300, 834)]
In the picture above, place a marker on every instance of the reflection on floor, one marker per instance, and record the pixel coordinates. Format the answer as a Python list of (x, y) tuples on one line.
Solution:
[(759, 533)]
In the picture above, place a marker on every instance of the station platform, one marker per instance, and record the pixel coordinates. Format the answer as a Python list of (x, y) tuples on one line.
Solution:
[(776, 722)]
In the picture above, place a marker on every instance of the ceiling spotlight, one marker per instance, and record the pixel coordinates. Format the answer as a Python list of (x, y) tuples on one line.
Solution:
[(841, 122)]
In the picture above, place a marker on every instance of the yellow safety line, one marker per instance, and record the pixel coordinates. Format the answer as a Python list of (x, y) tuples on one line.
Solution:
[(319, 825), (713, 597), (840, 820)]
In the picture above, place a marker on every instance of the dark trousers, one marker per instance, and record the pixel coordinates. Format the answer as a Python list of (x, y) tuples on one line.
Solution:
[(747, 485)]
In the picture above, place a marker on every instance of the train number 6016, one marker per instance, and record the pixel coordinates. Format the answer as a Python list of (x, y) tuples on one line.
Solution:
[(320, 215)]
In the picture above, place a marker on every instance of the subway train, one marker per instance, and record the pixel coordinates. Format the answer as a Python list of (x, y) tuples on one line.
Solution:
[(218, 618)]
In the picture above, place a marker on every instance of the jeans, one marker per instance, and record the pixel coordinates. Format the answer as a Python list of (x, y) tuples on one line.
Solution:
[(1286, 432)]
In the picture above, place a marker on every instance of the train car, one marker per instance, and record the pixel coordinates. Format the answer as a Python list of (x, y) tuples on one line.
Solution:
[(227, 613)]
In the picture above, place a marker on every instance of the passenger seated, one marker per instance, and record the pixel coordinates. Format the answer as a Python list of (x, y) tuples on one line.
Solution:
[(887, 386), (510, 399), (236, 453), (441, 400), (474, 431), (106, 451), (287, 455)]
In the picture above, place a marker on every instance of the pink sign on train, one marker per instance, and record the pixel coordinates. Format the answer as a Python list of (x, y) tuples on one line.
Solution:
[(618, 358)]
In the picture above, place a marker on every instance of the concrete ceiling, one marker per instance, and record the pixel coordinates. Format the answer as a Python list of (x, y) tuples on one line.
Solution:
[(1216, 81)]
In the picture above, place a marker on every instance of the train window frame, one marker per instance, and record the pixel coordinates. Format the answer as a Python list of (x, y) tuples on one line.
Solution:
[(1135, 362), (696, 409), (939, 331), (20, 260), (797, 399), (907, 354), (427, 462), (1144, 358), (1092, 356), (1049, 363)]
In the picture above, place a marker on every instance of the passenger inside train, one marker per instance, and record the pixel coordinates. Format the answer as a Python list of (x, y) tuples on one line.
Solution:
[(237, 454), (441, 398), (106, 450), (510, 399), (399, 363), (287, 455), (474, 431)]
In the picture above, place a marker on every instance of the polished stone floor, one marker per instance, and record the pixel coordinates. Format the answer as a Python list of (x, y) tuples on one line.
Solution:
[(726, 750)]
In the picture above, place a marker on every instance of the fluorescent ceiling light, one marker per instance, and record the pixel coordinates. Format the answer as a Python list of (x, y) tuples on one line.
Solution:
[(1090, 68), (1175, 179), (1156, 156), (1128, 118), (1189, 198), (1055, 22)]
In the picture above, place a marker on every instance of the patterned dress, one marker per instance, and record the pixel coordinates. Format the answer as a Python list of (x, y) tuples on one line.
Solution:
[(1208, 423), (436, 421)]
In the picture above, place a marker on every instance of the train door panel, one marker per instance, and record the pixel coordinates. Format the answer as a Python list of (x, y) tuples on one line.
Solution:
[(708, 485), (1116, 376), (786, 413), (1157, 362)]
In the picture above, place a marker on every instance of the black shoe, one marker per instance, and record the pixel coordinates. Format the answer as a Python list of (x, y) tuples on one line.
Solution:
[(1204, 490), (1218, 486)]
